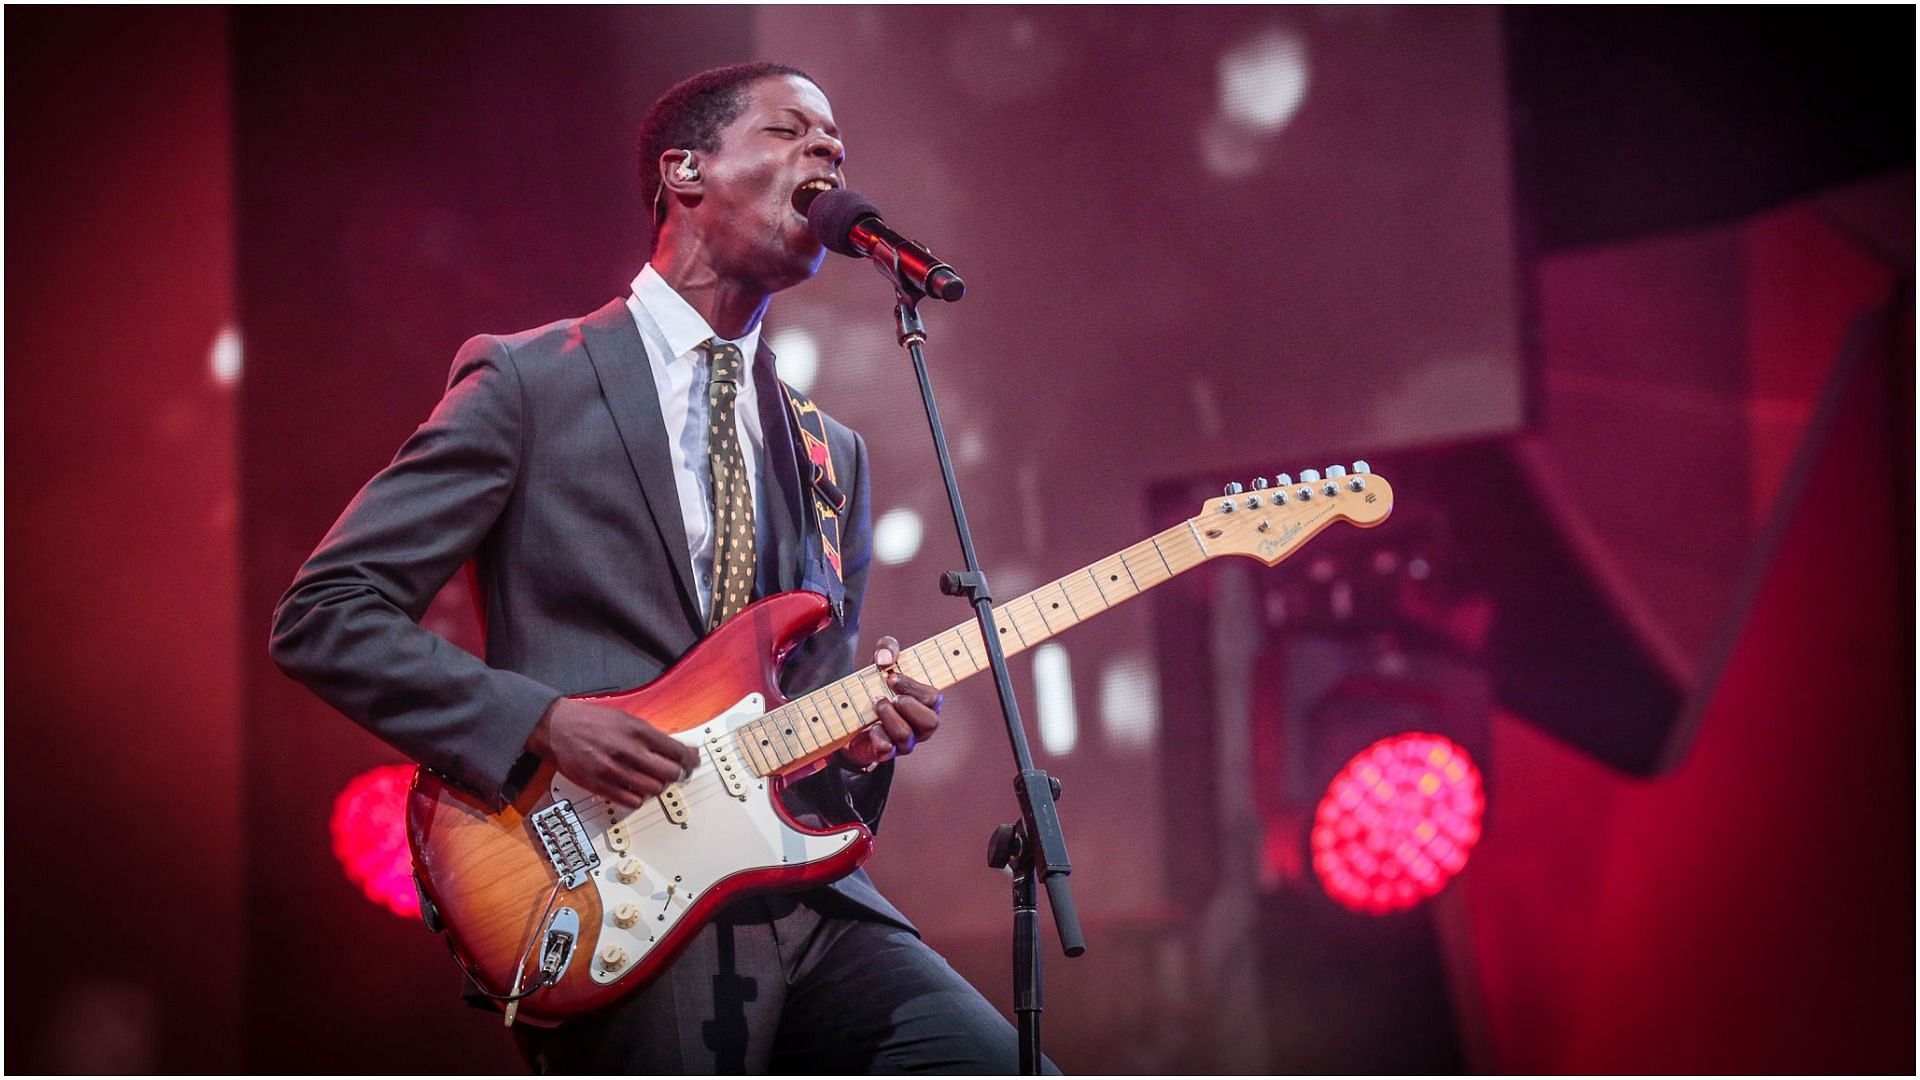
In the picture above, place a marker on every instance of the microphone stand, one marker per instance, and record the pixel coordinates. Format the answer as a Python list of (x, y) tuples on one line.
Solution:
[(1034, 847)]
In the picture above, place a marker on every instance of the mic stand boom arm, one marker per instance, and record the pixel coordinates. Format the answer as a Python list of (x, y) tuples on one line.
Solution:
[(1033, 847)]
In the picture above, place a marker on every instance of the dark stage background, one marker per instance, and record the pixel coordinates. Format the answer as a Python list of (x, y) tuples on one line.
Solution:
[(1621, 300)]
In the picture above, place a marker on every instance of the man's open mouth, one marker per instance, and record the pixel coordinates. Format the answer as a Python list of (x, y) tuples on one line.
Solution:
[(804, 195)]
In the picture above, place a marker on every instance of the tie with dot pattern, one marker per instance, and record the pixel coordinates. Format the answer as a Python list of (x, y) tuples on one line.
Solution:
[(733, 558)]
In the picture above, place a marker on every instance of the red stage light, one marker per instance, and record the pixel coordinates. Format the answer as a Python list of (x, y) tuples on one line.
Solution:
[(1397, 823), (369, 829)]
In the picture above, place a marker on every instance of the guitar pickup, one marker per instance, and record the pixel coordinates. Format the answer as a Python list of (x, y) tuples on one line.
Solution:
[(674, 803), (726, 761), (619, 838)]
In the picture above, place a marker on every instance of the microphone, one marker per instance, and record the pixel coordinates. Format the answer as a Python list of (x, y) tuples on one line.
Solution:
[(847, 223)]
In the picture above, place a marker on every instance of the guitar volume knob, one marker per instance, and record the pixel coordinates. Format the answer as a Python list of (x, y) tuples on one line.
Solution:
[(625, 916), (628, 871)]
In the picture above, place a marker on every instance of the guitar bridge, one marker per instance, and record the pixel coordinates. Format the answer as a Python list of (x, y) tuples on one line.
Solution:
[(565, 839)]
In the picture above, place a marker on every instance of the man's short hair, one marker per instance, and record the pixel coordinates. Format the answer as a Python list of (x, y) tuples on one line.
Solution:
[(690, 115)]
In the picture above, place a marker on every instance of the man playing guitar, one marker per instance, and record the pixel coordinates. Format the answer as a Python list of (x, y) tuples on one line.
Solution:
[(622, 484)]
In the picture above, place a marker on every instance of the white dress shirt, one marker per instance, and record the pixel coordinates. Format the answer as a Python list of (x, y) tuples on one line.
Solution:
[(673, 333)]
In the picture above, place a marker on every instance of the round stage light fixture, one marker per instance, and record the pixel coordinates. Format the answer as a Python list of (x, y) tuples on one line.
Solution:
[(1397, 823), (369, 827)]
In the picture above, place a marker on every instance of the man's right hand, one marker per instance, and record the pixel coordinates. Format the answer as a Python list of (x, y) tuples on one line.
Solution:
[(616, 756)]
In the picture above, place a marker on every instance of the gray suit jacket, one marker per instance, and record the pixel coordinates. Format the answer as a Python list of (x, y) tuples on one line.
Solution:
[(546, 462)]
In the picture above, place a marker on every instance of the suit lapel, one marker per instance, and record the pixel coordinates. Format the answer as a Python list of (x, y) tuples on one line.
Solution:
[(781, 489), (626, 380)]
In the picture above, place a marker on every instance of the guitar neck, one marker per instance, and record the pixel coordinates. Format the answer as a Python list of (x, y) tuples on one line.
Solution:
[(814, 725)]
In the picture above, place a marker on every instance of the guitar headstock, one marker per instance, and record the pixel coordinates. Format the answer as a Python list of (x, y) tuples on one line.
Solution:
[(1272, 518)]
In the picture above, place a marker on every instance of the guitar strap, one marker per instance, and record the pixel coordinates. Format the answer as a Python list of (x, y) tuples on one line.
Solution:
[(824, 574)]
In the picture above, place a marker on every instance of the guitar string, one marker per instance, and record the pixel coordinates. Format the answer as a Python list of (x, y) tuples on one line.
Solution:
[(703, 778), (1188, 552), (706, 783), (1072, 589), (710, 782), (1068, 587), (701, 788), (703, 784)]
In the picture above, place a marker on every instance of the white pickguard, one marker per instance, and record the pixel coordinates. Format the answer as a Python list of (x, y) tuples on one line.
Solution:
[(723, 835)]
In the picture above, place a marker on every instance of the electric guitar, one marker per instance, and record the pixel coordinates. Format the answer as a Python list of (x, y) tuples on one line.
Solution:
[(563, 902)]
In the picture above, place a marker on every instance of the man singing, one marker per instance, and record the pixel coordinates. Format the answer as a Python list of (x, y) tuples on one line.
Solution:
[(623, 483)]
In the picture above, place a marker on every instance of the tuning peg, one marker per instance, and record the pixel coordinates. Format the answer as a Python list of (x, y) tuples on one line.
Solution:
[(1234, 489), (1284, 480), (1362, 467), (1309, 476), (1335, 472), (1259, 483)]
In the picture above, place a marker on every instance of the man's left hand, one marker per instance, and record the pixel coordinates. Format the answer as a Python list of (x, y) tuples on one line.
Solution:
[(907, 719)]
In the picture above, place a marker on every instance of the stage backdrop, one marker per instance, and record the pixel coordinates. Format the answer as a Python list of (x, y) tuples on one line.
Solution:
[(245, 246)]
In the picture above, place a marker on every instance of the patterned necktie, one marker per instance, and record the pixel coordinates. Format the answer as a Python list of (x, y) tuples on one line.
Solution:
[(733, 559)]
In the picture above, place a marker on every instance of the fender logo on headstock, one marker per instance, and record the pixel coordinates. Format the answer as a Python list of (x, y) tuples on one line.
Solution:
[(1274, 543)]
